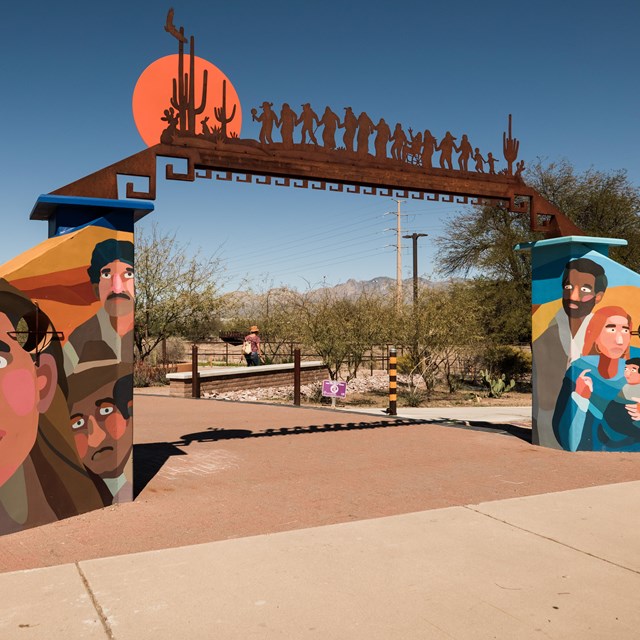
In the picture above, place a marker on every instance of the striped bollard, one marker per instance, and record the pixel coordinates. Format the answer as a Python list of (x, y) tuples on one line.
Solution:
[(393, 389)]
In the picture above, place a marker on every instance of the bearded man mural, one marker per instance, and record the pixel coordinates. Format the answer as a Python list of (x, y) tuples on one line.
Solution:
[(583, 285)]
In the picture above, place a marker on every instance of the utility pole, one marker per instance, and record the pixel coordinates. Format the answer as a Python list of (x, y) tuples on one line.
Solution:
[(398, 257), (414, 237)]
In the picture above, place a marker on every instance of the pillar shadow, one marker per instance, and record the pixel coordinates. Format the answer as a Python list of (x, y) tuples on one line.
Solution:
[(148, 459), (524, 433)]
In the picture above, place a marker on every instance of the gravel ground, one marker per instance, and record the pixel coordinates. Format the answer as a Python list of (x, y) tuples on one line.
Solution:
[(371, 390), (365, 390), (360, 385)]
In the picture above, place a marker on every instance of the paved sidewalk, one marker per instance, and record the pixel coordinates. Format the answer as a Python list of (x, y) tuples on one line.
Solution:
[(562, 565), (263, 521)]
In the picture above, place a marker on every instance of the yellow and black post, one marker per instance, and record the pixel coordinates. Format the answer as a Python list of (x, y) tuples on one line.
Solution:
[(393, 389), (195, 376)]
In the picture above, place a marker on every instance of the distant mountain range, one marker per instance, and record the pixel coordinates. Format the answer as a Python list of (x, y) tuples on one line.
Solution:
[(382, 285)]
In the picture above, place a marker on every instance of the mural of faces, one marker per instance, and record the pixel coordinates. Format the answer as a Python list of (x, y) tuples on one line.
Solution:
[(632, 373), (112, 275), (578, 294), (584, 361), (116, 288), (66, 397), (101, 422), (614, 338), (26, 391)]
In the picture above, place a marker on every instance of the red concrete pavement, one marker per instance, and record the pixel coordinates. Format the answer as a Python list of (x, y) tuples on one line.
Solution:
[(210, 470)]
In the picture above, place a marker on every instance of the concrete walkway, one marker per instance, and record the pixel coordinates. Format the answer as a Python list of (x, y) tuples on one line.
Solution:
[(562, 565), (544, 564)]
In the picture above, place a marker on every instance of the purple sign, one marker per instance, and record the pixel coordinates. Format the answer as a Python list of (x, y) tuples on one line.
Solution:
[(334, 389)]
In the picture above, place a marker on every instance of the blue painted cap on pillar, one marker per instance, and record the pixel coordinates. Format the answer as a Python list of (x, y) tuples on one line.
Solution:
[(67, 213), (591, 243)]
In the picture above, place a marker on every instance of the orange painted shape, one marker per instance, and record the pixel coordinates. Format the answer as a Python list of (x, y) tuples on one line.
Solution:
[(154, 89)]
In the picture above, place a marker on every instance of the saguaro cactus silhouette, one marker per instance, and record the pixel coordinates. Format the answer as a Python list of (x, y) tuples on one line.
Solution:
[(183, 99), (221, 112), (510, 147)]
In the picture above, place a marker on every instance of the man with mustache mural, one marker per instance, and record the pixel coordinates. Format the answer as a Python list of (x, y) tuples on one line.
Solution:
[(112, 276), (583, 285)]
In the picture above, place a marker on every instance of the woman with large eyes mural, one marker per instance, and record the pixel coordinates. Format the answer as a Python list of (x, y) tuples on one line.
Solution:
[(41, 477), (592, 382)]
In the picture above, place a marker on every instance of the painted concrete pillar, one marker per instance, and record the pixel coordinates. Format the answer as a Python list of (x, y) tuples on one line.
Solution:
[(66, 363), (585, 315)]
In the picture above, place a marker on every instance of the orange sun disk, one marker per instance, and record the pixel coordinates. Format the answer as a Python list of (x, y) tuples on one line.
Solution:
[(154, 89)]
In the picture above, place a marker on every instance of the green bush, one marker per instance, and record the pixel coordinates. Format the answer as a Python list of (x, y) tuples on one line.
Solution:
[(511, 361), (405, 365), (498, 385), (411, 397)]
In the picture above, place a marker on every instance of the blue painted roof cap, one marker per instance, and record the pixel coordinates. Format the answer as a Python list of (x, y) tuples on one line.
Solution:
[(597, 244), (48, 206)]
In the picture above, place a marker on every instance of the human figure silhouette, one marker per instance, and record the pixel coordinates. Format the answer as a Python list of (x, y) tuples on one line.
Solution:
[(479, 160), (412, 148), (288, 119), (429, 144), (365, 129), (268, 119), (330, 121), (308, 116), (399, 139), (446, 147), (466, 151), (350, 126), (491, 161), (383, 133)]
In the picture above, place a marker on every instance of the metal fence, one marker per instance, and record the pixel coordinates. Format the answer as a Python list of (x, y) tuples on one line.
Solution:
[(375, 359)]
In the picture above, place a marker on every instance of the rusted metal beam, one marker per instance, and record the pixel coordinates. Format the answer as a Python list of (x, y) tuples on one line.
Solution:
[(246, 159)]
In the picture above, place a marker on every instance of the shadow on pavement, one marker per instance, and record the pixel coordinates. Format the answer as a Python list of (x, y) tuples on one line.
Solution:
[(149, 458), (219, 433), (524, 433)]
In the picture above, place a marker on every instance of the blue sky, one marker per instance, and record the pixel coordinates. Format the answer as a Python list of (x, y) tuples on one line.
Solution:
[(567, 73)]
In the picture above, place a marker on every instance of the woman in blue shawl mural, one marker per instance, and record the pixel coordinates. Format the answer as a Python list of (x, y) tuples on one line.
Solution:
[(591, 383)]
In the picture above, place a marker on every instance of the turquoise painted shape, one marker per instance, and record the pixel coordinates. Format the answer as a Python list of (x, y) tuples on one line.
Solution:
[(586, 310)]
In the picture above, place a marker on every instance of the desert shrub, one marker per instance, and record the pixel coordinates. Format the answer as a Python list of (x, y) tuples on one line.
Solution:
[(497, 385), (313, 392), (411, 397), (513, 362), (406, 365), (146, 375), (176, 349)]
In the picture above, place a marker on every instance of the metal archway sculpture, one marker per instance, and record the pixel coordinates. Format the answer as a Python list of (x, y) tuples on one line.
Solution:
[(400, 165)]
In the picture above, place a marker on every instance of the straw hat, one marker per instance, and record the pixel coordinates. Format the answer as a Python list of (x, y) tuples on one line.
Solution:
[(253, 329)]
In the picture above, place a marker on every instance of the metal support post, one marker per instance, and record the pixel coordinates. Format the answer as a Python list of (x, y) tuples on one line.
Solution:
[(296, 377), (195, 377), (393, 389)]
